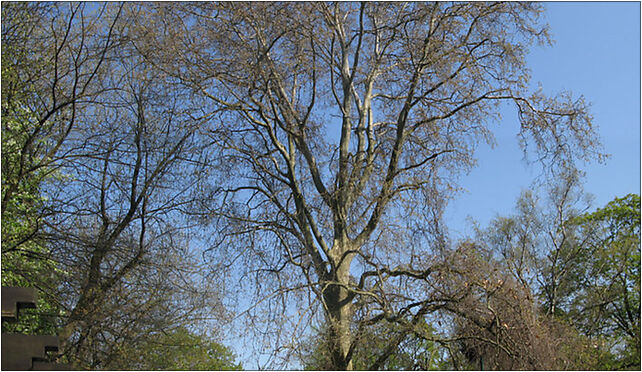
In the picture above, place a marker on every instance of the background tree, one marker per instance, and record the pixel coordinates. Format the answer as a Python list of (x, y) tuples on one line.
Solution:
[(119, 230), (100, 166), (51, 59), (178, 349), (413, 353), (606, 300), (582, 268), (543, 249), (345, 127), (50, 64), (498, 322)]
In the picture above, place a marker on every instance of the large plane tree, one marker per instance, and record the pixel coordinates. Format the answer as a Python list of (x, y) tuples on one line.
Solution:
[(342, 129)]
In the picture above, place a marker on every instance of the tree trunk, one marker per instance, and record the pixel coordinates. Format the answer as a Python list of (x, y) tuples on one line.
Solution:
[(339, 313)]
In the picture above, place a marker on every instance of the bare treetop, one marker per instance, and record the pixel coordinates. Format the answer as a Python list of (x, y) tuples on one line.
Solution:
[(344, 128)]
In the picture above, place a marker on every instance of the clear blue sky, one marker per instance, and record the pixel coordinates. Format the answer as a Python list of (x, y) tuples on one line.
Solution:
[(596, 54)]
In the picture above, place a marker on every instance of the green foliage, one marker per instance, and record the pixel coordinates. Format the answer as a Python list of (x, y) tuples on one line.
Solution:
[(413, 353), (21, 174), (25, 259), (606, 304), (178, 349), (21, 271), (23, 256)]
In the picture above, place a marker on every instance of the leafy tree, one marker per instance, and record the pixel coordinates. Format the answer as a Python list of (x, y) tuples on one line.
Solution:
[(177, 349), (26, 261), (606, 301), (412, 353)]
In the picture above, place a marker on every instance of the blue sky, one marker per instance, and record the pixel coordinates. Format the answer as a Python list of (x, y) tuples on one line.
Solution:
[(596, 54)]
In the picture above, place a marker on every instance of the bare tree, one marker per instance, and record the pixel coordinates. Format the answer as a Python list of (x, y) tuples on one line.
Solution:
[(109, 142), (497, 322), (54, 55), (339, 128), (344, 128), (540, 242), (120, 227)]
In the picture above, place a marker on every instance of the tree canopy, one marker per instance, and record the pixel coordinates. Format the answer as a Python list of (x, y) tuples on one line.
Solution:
[(174, 170), (91, 184)]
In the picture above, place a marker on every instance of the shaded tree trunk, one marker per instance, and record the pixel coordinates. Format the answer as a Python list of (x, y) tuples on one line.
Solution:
[(338, 302)]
